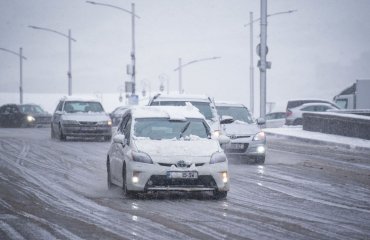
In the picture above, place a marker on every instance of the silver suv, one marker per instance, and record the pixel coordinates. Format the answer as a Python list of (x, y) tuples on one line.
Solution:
[(205, 105), (247, 140), (76, 117)]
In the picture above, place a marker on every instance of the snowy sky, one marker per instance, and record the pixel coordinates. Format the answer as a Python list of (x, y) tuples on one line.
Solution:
[(315, 52)]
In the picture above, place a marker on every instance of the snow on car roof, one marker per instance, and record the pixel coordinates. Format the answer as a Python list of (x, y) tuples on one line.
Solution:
[(181, 97), (80, 99), (229, 104), (172, 112), (315, 104)]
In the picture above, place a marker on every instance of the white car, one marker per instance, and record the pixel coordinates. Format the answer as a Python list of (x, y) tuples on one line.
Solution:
[(294, 115), (247, 139), (205, 104), (77, 117), (275, 119), (167, 149)]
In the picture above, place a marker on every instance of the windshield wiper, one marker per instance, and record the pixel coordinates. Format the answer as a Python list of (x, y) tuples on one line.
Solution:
[(184, 129)]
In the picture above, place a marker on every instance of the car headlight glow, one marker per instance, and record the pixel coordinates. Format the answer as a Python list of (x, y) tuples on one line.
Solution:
[(141, 157), (261, 149), (218, 157), (216, 133), (109, 123), (224, 177), (30, 119), (261, 136)]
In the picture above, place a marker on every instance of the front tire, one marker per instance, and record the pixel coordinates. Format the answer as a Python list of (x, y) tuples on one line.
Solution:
[(109, 181), (126, 193), (260, 159), (217, 195), (62, 137)]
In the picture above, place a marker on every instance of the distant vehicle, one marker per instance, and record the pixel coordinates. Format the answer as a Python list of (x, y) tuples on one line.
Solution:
[(116, 114), (204, 103), (76, 117), (275, 119), (25, 115), (299, 102), (294, 116), (167, 149), (247, 140), (356, 96)]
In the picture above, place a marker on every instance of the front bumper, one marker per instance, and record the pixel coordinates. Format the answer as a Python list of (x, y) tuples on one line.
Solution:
[(153, 177), (87, 131), (244, 148)]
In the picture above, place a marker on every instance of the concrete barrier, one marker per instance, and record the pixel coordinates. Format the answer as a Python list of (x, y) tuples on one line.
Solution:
[(349, 125)]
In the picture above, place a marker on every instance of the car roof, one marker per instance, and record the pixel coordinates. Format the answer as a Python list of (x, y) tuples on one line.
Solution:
[(181, 97), (80, 99), (229, 104), (316, 104), (180, 113)]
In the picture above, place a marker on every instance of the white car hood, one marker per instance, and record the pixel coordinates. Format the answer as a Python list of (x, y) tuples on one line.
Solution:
[(240, 128), (87, 117), (171, 150)]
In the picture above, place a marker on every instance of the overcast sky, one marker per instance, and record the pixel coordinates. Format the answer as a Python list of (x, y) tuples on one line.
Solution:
[(315, 52)]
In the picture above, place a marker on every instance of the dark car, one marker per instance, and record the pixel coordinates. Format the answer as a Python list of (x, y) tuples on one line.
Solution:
[(25, 115), (117, 114)]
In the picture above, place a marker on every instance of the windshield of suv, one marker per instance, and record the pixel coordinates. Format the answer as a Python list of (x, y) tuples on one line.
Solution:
[(162, 128), (204, 107), (27, 108), (238, 113), (79, 106)]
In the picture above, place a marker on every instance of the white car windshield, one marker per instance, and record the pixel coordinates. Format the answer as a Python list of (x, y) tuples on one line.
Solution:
[(79, 106), (238, 113), (162, 128)]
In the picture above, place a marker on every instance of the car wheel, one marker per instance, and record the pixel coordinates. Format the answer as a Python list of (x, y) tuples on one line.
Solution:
[(109, 182), (107, 138), (219, 194), (52, 133), (62, 137), (298, 121), (260, 160), (124, 181)]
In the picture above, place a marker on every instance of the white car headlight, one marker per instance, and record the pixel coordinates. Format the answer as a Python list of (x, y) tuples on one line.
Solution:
[(218, 157), (30, 119), (261, 136), (216, 134), (109, 123), (141, 157)]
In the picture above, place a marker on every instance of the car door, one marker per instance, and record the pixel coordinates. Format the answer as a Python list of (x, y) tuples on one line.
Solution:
[(119, 150), (57, 115), (3, 116)]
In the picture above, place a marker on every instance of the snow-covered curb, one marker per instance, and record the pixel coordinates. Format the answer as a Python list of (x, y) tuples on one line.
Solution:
[(298, 133)]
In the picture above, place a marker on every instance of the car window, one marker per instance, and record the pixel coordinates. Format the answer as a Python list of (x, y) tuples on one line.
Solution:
[(31, 109), (162, 128), (127, 129), (238, 113), (82, 106), (308, 109)]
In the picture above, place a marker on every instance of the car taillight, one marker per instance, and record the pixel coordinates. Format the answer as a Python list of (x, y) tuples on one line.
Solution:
[(288, 113)]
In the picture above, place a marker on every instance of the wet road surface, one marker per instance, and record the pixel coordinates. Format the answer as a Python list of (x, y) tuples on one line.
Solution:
[(57, 190)]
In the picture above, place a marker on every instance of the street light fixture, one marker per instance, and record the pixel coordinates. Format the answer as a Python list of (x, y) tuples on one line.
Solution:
[(69, 37), (133, 57), (179, 68), (21, 57), (250, 24)]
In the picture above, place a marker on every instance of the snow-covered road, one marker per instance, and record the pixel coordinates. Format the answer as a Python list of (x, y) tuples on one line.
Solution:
[(57, 190)]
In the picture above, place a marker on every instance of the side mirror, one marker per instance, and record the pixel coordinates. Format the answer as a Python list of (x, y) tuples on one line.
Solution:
[(222, 139), (58, 112), (261, 121), (120, 138), (226, 119)]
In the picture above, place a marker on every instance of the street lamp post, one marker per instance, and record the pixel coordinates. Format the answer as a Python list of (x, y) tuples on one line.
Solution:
[(133, 56), (251, 21), (21, 57), (70, 39), (179, 68)]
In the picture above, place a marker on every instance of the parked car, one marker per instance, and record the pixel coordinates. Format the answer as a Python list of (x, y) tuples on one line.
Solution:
[(25, 115), (76, 117), (247, 139), (204, 103), (275, 119), (294, 115), (296, 103), (116, 114), (167, 149)]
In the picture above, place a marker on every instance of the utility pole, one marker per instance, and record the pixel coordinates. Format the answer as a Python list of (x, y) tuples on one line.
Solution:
[(133, 56), (180, 76), (263, 64), (251, 101)]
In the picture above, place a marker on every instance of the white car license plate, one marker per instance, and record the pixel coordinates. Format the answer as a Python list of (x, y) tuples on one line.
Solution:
[(88, 128), (235, 146), (187, 175)]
